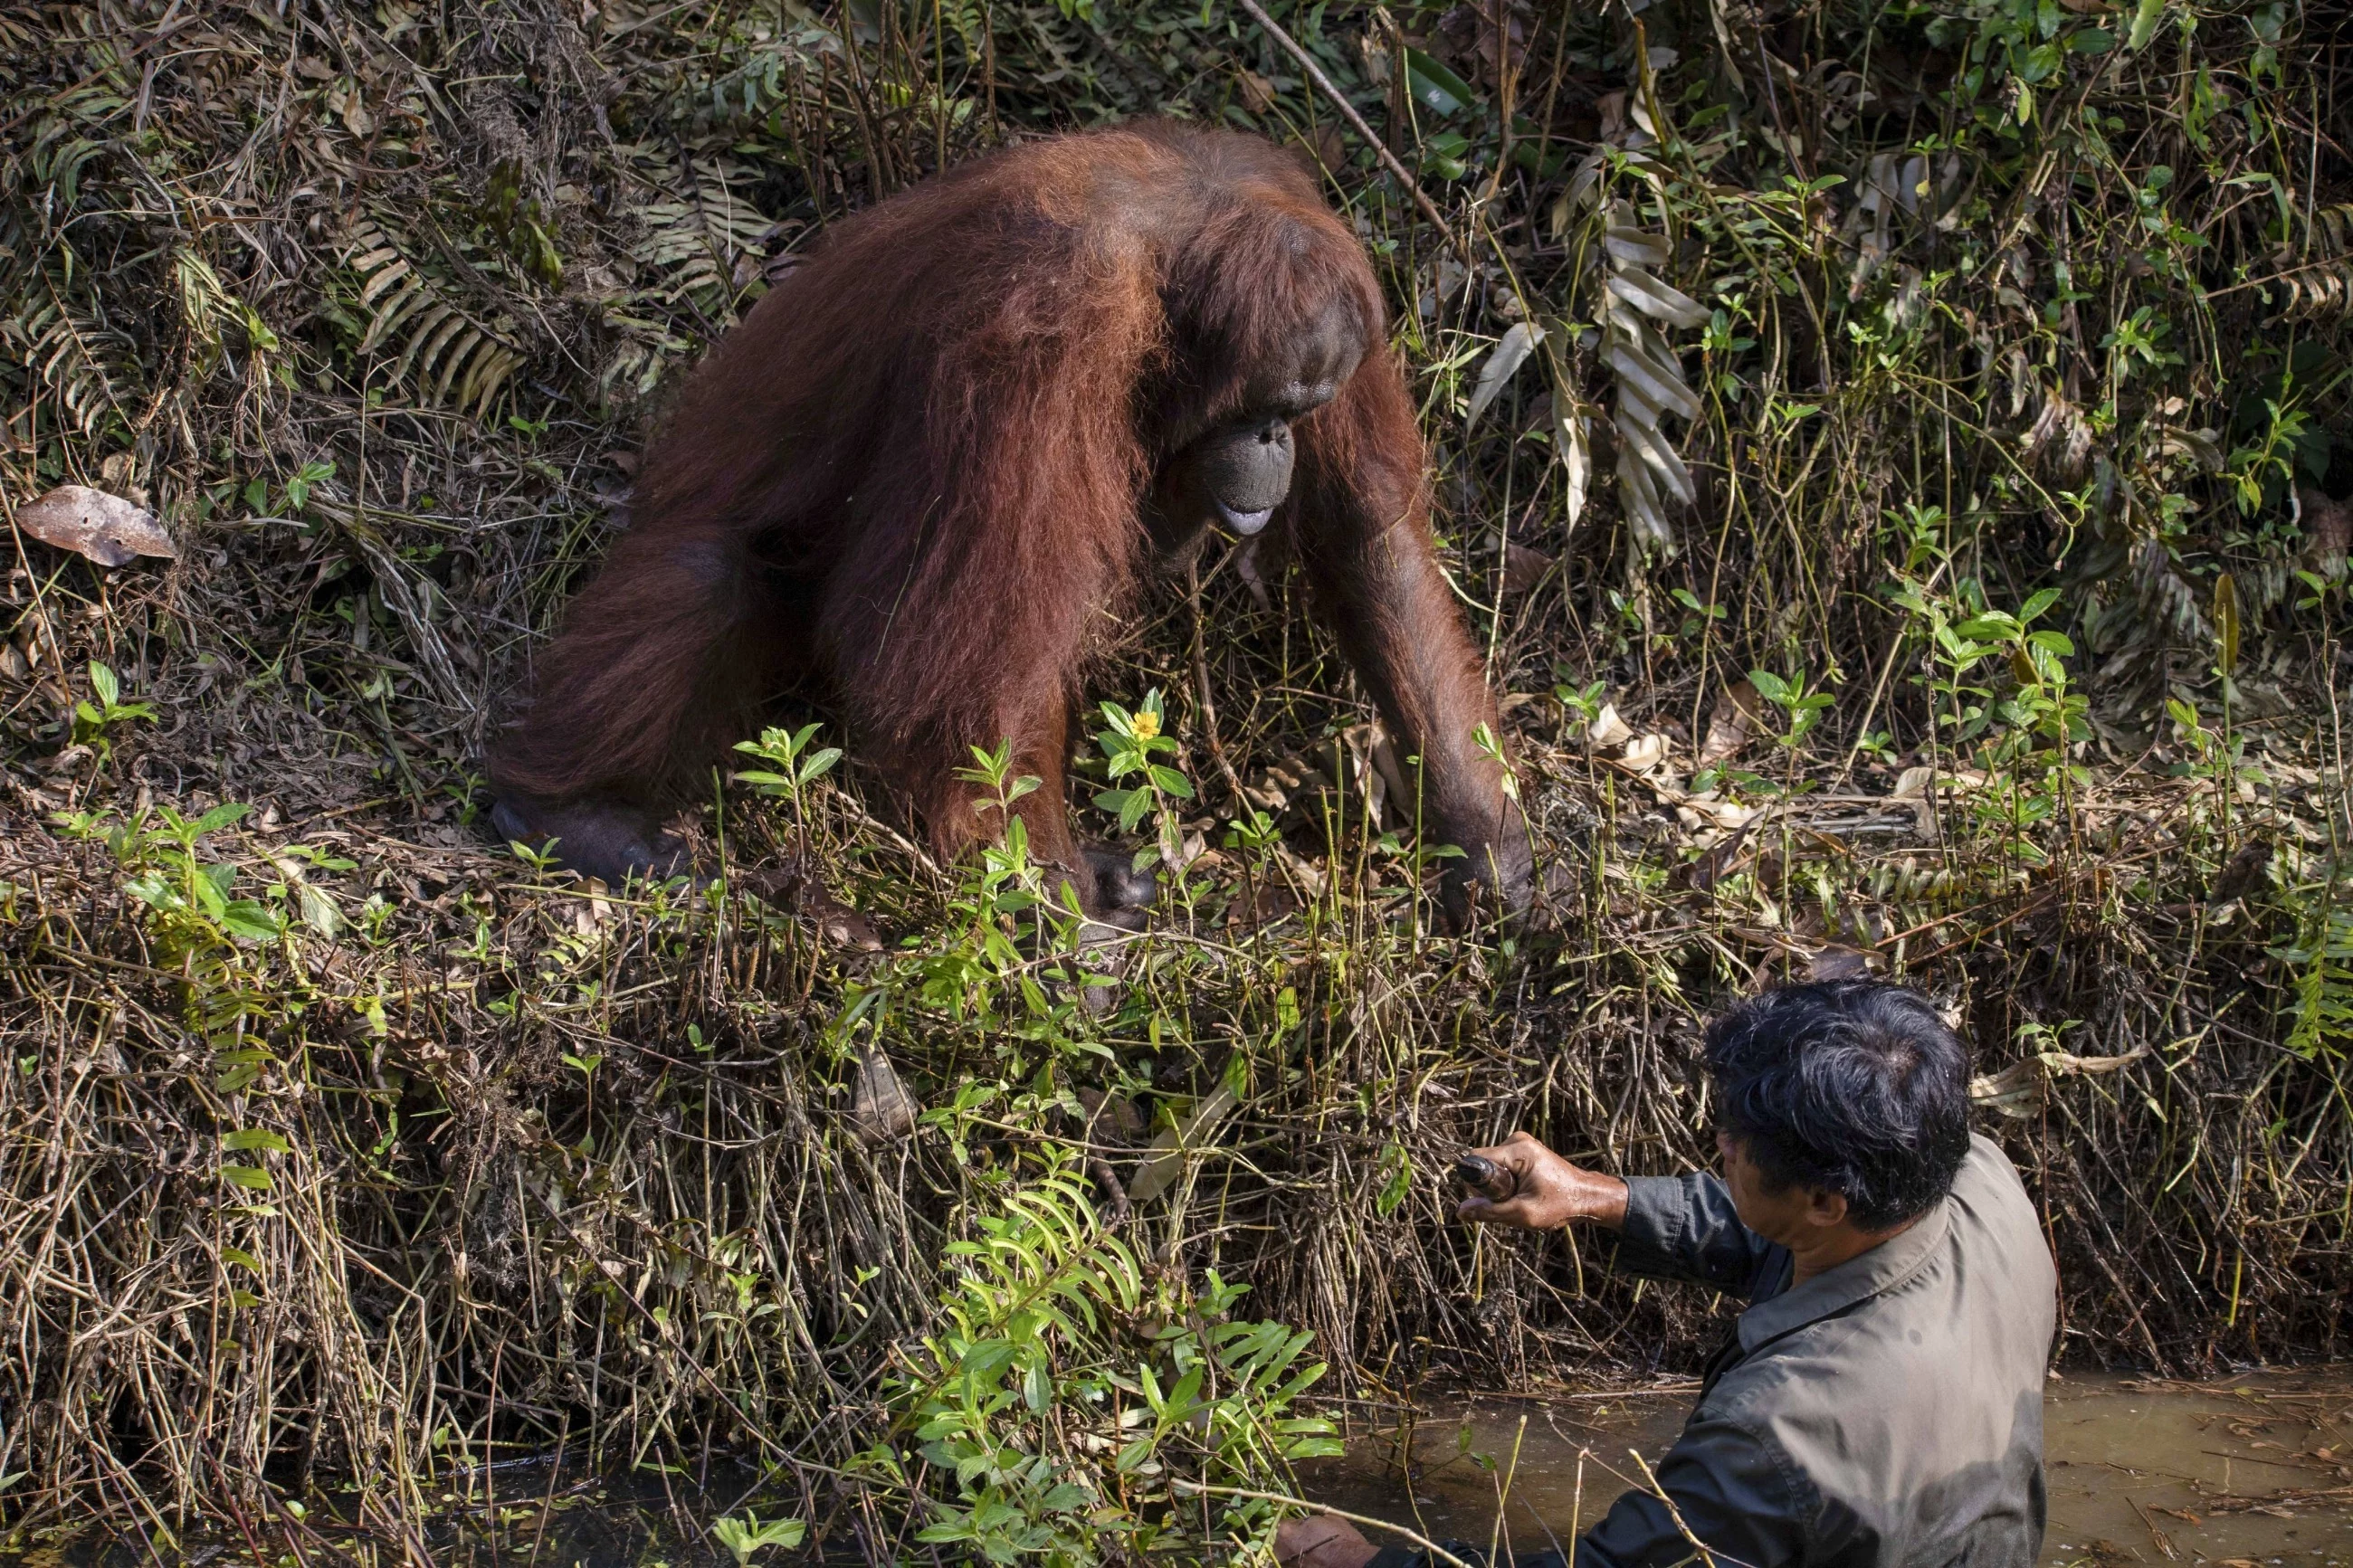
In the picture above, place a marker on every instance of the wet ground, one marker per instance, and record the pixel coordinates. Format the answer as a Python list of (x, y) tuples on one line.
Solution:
[(2251, 1472)]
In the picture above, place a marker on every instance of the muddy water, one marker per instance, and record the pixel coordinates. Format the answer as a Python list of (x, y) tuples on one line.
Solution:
[(2254, 1472)]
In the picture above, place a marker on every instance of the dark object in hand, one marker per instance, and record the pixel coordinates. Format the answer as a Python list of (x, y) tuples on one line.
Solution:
[(1497, 1184)]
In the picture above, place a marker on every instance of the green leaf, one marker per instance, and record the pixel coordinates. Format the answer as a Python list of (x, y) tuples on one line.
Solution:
[(235, 1076), (253, 922), (1992, 623), (1434, 87), (248, 1176), (209, 890), (241, 1257), (1400, 1179), (2144, 24), (103, 681), (245, 1140), (2092, 41), (1448, 154), (2226, 624), (1315, 1449), (1037, 1387), (319, 910), (218, 817)]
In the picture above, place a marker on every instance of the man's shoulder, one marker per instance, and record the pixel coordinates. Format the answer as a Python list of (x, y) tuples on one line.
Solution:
[(1986, 1165), (1988, 1204)]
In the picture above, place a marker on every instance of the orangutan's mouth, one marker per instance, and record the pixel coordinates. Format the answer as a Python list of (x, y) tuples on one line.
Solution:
[(1242, 524)]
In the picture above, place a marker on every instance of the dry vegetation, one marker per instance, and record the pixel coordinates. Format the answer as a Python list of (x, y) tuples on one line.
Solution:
[(1972, 370)]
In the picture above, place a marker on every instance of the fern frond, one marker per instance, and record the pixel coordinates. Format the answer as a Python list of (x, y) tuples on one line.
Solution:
[(445, 353)]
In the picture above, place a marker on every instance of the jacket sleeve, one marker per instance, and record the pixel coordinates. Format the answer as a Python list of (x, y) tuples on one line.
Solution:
[(1684, 1227), (1731, 1492)]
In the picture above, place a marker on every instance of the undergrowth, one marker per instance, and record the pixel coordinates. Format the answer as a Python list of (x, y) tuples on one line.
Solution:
[(1891, 457)]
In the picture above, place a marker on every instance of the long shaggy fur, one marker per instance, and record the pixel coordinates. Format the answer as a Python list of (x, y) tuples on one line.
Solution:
[(914, 475)]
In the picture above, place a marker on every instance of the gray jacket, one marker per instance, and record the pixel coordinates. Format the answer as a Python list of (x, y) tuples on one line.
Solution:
[(1886, 1414)]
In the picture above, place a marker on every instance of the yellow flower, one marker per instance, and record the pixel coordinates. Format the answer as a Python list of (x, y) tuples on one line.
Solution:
[(1146, 725)]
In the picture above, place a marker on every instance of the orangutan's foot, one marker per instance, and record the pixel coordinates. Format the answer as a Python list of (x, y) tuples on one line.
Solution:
[(1122, 895), (608, 839)]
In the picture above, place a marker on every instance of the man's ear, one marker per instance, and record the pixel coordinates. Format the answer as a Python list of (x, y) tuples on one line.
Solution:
[(1825, 1208)]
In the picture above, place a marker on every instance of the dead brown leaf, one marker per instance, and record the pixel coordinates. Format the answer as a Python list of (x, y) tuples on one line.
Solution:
[(1524, 568), (1720, 861), (880, 1106), (1732, 724), (789, 885), (105, 528), (1497, 36), (1264, 904), (1837, 963), (2327, 530), (1326, 146)]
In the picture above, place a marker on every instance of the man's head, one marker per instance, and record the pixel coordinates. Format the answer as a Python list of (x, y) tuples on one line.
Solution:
[(1844, 1106)]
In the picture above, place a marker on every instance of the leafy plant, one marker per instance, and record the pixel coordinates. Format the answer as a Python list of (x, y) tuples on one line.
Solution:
[(192, 897), (93, 723), (1129, 747), (219, 942), (792, 766), (1060, 1383), (2322, 959), (1801, 708), (2019, 733), (745, 1536)]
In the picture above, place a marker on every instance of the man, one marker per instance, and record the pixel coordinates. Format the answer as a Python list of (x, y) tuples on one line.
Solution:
[(1880, 1402)]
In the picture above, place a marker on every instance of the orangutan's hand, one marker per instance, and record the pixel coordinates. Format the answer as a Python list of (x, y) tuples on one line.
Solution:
[(1547, 1191)]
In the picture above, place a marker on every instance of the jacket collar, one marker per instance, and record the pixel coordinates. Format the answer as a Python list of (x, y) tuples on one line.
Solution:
[(1883, 1269)]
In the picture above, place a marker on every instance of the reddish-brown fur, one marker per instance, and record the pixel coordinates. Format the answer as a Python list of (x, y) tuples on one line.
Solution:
[(919, 470)]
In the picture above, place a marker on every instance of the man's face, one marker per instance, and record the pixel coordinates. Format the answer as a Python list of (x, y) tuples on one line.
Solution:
[(1791, 1216)]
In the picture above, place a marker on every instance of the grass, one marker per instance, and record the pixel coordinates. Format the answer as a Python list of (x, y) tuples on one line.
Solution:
[(345, 1154)]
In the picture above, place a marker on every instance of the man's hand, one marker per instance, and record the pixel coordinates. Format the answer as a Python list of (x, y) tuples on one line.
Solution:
[(1321, 1541), (1549, 1191)]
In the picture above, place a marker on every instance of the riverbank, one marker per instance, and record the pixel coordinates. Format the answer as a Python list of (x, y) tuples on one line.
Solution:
[(1986, 636)]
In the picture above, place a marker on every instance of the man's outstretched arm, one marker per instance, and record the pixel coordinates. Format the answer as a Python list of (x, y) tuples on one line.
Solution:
[(1675, 1227)]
